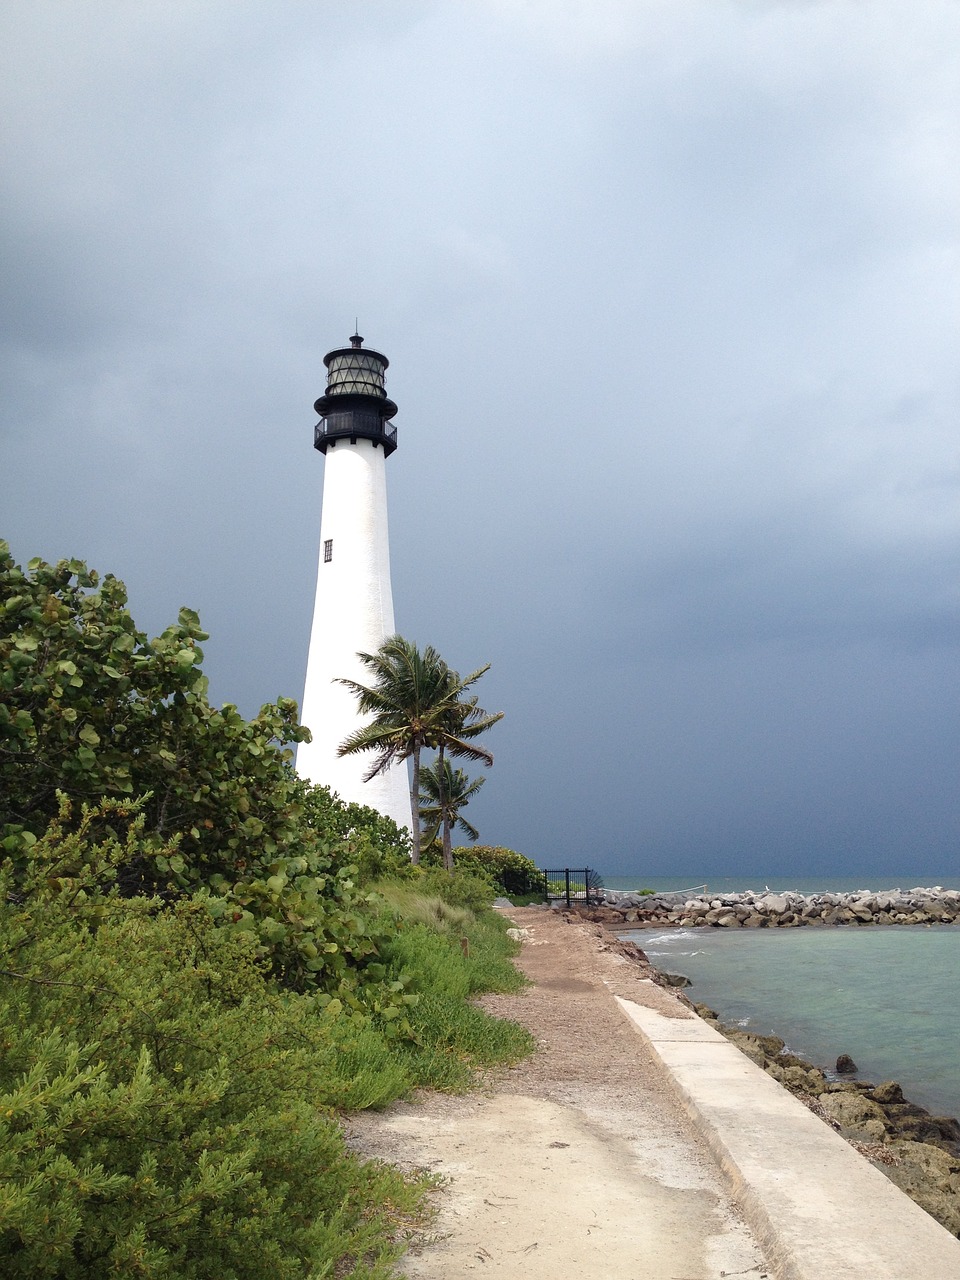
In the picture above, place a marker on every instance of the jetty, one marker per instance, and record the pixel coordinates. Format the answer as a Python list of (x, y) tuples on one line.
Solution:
[(766, 910)]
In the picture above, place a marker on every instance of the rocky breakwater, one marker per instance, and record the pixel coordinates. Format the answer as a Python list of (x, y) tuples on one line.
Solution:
[(751, 910), (918, 1151)]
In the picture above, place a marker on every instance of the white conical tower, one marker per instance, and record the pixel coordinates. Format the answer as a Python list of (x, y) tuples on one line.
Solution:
[(354, 604)]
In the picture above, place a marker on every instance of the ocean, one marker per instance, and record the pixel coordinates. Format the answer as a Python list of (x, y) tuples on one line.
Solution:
[(778, 883), (887, 996)]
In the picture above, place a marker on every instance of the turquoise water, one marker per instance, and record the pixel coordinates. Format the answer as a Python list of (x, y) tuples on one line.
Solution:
[(889, 997)]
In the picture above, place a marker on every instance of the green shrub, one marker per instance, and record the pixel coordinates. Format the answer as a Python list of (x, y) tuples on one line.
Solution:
[(512, 872), (93, 708), (358, 836), (162, 1110), (469, 886)]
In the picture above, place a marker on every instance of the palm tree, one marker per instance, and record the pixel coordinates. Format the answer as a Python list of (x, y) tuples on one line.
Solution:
[(463, 722), (444, 792), (415, 701)]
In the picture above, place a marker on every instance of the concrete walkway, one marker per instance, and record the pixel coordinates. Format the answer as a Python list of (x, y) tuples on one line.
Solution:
[(819, 1209)]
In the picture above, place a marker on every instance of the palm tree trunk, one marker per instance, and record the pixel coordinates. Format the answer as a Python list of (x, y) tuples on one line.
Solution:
[(415, 807), (445, 814)]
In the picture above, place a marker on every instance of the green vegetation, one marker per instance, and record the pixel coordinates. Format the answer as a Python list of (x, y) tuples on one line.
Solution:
[(513, 873), (201, 961), (416, 701), (444, 793)]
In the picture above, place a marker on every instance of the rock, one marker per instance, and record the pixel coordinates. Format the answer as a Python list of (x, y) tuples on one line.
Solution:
[(772, 904), (675, 979), (838, 915), (800, 1079), (772, 1045), (747, 1044), (919, 1128), (629, 951), (502, 902), (887, 1091), (846, 1065), (949, 1128), (929, 1176), (855, 1116)]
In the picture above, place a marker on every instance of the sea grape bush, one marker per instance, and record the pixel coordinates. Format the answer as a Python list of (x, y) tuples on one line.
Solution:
[(92, 708)]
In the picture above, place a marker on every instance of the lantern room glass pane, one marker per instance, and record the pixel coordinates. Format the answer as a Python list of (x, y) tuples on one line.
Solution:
[(356, 371)]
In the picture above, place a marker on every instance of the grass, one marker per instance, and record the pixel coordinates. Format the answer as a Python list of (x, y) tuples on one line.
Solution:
[(447, 954)]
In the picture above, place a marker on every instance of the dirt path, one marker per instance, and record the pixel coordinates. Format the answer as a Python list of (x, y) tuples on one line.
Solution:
[(576, 1163)]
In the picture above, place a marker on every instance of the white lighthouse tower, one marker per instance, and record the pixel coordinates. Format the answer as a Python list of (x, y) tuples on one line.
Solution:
[(354, 604)]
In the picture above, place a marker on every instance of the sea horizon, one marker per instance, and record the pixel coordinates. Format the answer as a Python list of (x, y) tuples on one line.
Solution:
[(776, 883)]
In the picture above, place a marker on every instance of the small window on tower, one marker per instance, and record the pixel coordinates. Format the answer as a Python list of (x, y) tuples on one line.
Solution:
[(327, 550)]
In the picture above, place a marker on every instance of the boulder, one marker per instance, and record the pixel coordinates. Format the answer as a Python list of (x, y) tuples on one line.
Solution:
[(930, 1176), (747, 1044), (887, 1091), (855, 1116), (846, 1065), (772, 904), (838, 915), (675, 979), (800, 1079)]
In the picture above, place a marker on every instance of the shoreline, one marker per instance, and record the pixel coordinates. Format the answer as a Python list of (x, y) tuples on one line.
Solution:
[(637, 1139), (918, 1151)]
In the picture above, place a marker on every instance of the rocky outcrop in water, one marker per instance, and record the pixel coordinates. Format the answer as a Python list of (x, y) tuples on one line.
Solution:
[(767, 910)]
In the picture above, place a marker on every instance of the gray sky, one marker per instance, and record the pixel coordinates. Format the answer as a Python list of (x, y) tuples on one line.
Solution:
[(670, 294)]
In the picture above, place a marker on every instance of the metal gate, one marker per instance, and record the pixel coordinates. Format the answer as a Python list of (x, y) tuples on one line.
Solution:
[(568, 885)]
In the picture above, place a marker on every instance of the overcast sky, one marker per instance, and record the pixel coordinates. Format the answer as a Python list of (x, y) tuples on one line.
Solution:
[(670, 292)]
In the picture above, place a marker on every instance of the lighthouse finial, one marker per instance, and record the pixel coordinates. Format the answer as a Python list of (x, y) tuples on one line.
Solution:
[(356, 340)]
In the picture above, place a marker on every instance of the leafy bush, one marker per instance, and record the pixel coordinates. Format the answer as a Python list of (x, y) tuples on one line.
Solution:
[(368, 841), (512, 872), (468, 887), (90, 706), (159, 1103)]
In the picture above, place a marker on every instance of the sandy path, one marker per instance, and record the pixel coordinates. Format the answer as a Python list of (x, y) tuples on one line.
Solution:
[(578, 1162)]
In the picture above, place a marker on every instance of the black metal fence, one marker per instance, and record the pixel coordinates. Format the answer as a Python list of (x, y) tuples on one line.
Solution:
[(567, 885)]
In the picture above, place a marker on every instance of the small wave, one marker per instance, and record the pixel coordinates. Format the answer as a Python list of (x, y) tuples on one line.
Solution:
[(675, 935)]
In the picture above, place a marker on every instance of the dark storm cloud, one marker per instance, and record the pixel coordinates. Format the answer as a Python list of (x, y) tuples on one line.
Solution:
[(670, 297)]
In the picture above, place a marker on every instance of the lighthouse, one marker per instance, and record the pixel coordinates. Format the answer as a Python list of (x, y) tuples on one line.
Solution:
[(354, 602)]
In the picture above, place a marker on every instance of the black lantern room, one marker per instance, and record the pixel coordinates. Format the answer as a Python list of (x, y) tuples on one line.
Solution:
[(355, 405)]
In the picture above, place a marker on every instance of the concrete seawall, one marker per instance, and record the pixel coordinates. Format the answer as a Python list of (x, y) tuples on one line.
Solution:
[(820, 1211)]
